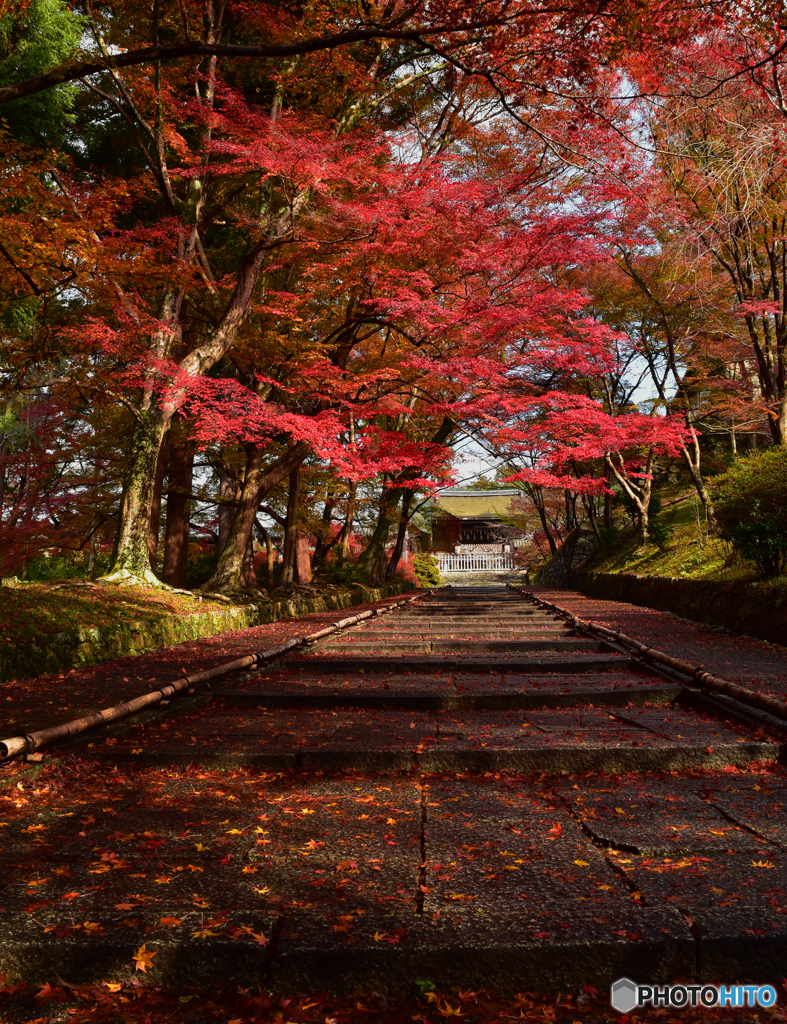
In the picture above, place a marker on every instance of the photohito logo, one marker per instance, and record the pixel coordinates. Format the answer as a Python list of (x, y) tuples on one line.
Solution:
[(626, 995)]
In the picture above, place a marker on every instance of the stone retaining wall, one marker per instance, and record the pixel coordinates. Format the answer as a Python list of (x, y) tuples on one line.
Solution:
[(754, 609), (73, 648)]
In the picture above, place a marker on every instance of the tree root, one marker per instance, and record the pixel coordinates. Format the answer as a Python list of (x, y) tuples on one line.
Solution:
[(126, 578)]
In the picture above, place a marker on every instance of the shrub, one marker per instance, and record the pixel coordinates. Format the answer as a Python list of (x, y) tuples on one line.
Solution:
[(201, 564), (659, 533), (609, 536), (344, 574), (751, 509), (426, 570)]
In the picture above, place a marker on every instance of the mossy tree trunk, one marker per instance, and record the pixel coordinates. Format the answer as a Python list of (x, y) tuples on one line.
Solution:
[(132, 558)]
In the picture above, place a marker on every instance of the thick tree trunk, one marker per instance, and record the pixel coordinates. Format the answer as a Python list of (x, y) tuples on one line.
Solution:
[(303, 562), (374, 554), (228, 488), (155, 510), (153, 422), (404, 519), (257, 482), (181, 470), (132, 558)]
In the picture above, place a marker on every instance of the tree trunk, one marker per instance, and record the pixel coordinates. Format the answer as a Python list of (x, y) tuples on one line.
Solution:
[(536, 496), (347, 528), (324, 544), (176, 538), (404, 519), (587, 501), (257, 482), (155, 510), (269, 555), (228, 488), (370, 559), (608, 519), (291, 527), (153, 422), (692, 459), (249, 570), (132, 557), (303, 564), (639, 493)]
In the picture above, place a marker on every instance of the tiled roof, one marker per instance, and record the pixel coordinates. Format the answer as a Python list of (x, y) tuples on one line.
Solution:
[(469, 504)]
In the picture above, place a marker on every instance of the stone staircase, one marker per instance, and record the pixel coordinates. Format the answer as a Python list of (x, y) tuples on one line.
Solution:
[(482, 578)]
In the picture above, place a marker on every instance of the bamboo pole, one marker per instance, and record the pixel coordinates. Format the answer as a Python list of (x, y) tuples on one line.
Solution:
[(29, 743), (697, 673)]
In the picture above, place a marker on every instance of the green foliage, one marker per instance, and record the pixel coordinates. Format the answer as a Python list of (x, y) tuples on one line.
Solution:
[(32, 41), (610, 537), (200, 566), (426, 570), (45, 568), (485, 483), (751, 509), (660, 533), (344, 574)]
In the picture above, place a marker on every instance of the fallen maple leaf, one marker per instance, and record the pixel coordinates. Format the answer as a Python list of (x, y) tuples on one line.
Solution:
[(169, 922), (143, 958)]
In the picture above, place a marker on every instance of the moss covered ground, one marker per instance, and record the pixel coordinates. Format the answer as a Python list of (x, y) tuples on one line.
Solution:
[(689, 550), (33, 610)]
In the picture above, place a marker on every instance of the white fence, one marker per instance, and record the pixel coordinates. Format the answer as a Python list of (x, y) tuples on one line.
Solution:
[(476, 562)]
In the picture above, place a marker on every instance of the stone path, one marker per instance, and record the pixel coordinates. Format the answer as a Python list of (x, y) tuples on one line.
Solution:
[(463, 793)]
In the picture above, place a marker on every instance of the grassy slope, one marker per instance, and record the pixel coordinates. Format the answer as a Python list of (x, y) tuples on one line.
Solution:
[(689, 553)]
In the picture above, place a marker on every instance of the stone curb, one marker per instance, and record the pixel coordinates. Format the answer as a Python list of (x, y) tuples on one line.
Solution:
[(75, 648), (753, 609)]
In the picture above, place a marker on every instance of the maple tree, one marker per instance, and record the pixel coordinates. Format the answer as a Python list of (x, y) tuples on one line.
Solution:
[(344, 239)]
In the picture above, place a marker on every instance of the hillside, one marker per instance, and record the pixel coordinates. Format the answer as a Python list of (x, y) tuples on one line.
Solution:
[(687, 551)]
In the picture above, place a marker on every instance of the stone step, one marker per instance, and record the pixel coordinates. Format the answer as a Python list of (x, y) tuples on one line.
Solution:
[(481, 699), (552, 740), (360, 884), (556, 662), (354, 645)]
